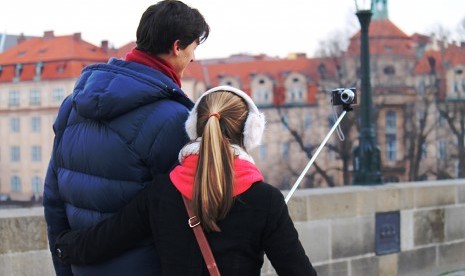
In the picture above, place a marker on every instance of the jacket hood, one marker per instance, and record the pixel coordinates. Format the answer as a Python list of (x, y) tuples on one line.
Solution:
[(106, 91)]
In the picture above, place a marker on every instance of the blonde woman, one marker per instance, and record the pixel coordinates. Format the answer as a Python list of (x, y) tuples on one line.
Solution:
[(242, 216)]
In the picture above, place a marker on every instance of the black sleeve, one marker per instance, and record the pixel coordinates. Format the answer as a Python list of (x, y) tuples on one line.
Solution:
[(109, 238), (281, 241)]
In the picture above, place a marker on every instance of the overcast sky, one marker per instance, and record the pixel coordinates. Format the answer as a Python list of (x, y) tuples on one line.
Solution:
[(272, 27)]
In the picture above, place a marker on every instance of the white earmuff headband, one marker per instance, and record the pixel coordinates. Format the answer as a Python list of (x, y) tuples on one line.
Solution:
[(254, 124)]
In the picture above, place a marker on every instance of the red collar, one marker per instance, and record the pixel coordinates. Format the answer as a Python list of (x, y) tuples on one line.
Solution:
[(154, 62), (183, 175)]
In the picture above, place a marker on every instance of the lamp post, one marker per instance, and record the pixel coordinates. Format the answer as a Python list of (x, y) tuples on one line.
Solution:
[(367, 157)]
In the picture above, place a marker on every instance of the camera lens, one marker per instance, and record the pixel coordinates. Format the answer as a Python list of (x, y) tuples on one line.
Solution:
[(347, 96)]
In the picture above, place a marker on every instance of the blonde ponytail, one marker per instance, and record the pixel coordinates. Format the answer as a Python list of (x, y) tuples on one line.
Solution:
[(221, 117)]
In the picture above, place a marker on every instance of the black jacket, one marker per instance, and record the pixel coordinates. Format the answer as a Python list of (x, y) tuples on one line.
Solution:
[(258, 223)]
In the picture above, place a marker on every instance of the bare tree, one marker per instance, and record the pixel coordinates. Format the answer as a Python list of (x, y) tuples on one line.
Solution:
[(454, 114), (297, 137), (461, 30), (419, 125), (452, 109)]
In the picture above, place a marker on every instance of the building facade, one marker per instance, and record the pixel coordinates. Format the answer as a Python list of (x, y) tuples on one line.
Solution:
[(418, 86), (35, 76)]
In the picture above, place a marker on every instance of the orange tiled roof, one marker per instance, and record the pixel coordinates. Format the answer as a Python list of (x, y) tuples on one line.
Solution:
[(455, 55), (62, 57), (211, 73), (385, 38), (52, 49), (451, 56)]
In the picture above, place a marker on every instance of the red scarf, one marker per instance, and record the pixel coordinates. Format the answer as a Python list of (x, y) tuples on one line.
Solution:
[(183, 175), (154, 62)]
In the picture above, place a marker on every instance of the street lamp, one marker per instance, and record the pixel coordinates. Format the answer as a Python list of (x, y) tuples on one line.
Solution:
[(367, 157)]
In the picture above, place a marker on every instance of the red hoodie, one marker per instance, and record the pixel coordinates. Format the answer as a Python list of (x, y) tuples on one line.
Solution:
[(245, 174)]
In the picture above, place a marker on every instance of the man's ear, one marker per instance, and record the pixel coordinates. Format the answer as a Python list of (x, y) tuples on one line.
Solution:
[(176, 48)]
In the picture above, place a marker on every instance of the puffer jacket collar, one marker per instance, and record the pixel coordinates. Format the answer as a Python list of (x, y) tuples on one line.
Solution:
[(106, 91)]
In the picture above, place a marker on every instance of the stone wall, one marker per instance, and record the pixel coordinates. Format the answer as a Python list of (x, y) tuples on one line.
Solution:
[(23, 243), (337, 227)]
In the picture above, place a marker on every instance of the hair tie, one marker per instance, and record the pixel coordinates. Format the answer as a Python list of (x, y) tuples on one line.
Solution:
[(216, 114)]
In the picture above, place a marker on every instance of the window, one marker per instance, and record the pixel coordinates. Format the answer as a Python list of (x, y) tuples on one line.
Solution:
[(15, 154), (308, 148), (441, 120), (14, 124), (308, 120), (391, 136), (36, 153), (58, 95), (262, 152), (295, 94), (261, 95), (35, 124), (391, 121), (285, 182), (13, 98), (285, 151), (331, 121), (34, 97), (39, 67), (15, 183), (330, 153), (36, 185), (441, 150), (18, 71), (391, 147), (424, 151), (285, 121), (322, 71), (389, 70), (421, 88)]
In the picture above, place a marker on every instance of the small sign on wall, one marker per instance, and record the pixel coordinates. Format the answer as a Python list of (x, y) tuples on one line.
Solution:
[(387, 236)]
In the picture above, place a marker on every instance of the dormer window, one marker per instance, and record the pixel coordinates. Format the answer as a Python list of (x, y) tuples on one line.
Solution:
[(1, 70), (18, 71), (322, 71), (389, 70), (61, 68), (38, 70)]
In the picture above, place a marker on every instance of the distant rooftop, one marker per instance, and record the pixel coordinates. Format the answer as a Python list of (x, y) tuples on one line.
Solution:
[(8, 41)]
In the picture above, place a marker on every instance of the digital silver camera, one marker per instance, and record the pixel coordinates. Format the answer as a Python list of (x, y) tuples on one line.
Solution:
[(344, 96)]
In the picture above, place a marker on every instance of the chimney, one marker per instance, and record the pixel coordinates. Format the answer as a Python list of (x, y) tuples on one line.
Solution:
[(21, 38), (48, 35), (77, 36), (104, 46)]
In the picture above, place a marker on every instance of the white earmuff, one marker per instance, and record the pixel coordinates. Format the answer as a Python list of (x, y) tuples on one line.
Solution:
[(254, 124)]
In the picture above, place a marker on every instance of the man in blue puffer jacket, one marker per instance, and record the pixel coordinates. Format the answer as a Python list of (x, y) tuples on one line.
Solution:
[(123, 124)]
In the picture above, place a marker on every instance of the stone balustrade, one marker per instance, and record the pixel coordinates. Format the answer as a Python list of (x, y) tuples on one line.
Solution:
[(339, 228)]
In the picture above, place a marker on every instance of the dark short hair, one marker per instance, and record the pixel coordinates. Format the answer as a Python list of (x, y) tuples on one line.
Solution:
[(167, 21)]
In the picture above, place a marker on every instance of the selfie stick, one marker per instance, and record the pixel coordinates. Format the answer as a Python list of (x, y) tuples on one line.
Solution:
[(289, 195)]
